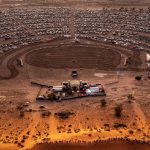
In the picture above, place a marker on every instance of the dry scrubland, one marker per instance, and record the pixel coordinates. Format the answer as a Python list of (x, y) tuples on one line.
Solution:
[(88, 119)]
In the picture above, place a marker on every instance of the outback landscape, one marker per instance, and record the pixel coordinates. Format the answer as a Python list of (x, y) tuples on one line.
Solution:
[(42, 43)]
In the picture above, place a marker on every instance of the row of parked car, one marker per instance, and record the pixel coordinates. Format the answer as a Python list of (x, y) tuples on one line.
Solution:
[(23, 26)]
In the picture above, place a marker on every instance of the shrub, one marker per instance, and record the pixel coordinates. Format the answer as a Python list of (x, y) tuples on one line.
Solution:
[(131, 132), (130, 98), (120, 125)]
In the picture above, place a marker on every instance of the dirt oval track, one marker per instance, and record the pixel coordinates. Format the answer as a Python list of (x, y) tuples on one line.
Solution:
[(67, 55), (75, 57)]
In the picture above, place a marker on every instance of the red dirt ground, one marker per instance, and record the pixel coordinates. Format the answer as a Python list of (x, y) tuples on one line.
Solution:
[(75, 57)]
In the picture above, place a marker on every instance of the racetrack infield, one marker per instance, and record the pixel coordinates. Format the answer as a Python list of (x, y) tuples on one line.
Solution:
[(74, 57)]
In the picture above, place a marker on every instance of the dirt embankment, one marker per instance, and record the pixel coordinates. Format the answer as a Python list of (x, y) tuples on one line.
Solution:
[(109, 145)]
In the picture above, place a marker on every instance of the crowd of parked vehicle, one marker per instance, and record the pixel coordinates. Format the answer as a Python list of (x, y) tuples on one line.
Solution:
[(124, 27), (128, 28)]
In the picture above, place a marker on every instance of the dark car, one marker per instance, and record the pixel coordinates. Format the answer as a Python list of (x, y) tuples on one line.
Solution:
[(74, 73)]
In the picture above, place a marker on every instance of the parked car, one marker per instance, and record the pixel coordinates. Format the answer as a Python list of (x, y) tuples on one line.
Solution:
[(74, 73)]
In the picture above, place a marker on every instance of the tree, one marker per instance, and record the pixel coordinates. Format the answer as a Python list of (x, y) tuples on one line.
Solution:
[(103, 103), (118, 111)]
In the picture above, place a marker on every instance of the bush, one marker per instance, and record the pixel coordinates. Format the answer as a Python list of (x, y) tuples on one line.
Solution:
[(120, 125), (130, 97), (46, 114), (131, 132)]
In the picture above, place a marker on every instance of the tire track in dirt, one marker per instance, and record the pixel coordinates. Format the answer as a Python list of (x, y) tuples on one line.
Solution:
[(30, 130), (141, 122), (10, 63)]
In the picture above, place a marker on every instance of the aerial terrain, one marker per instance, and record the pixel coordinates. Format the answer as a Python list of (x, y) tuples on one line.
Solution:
[(43, 43)]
